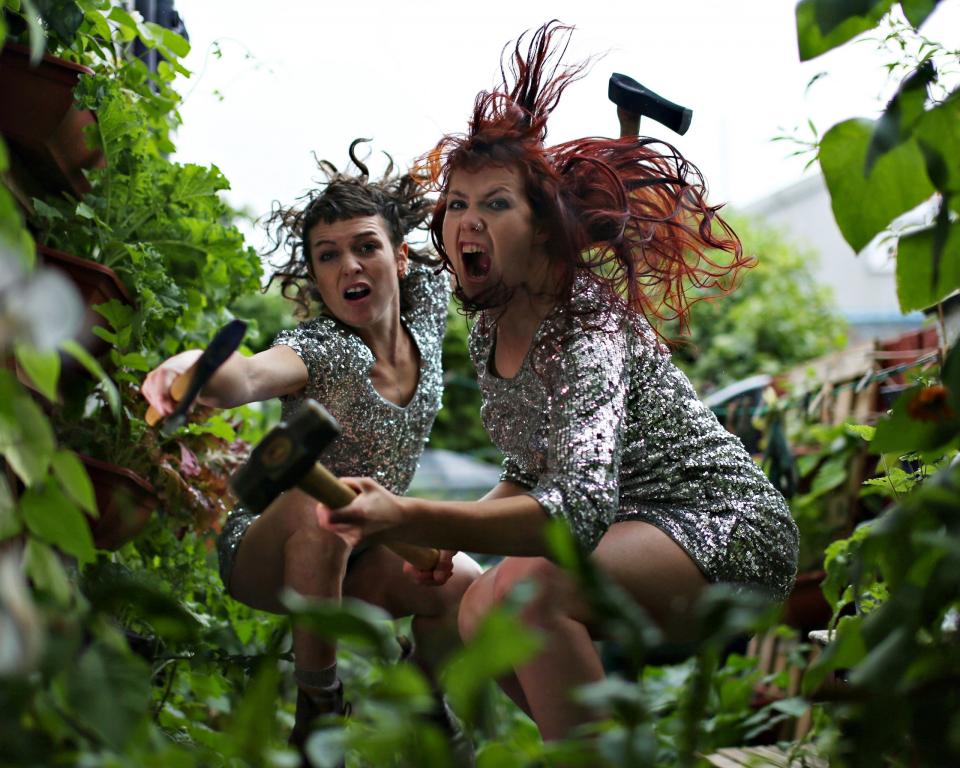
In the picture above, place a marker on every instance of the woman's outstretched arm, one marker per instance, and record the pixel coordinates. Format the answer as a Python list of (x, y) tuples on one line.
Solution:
[(240, 380)]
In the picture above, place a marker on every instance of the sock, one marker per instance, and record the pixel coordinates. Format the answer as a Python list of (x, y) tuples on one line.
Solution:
[(317, 683)]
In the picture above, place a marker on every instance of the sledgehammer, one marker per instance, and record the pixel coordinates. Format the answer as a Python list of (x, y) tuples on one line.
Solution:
[(287, 457), (635, 101)]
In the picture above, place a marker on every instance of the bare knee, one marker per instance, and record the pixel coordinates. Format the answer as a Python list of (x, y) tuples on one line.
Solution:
[(477, 601), (543, 589), (313, 555)]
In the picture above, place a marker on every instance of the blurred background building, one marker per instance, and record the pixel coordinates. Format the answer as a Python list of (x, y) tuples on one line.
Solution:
[(864, 285)]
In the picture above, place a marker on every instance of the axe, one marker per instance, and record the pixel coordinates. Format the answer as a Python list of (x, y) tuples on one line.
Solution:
[(188, 384), (635, 101), (287, 457)]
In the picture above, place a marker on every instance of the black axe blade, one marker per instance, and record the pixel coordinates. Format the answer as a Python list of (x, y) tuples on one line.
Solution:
[(223, 344), (632, 97)]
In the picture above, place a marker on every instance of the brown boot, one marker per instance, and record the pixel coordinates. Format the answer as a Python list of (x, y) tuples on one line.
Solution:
[(311, 708)]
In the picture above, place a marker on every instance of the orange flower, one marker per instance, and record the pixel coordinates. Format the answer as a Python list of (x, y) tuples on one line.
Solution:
[(931, 404)]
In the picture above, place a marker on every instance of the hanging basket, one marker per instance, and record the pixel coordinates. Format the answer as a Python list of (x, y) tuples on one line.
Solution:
[(97, 284), (126, 502), (45, 130)]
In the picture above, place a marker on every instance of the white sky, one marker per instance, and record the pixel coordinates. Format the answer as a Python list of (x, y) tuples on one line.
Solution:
[(297, 77)]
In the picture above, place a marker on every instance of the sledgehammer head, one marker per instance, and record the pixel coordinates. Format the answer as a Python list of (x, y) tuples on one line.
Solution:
[(635, 101), (284, 456)]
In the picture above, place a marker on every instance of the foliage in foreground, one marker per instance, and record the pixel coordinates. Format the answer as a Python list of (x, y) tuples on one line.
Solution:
[(137, 658)]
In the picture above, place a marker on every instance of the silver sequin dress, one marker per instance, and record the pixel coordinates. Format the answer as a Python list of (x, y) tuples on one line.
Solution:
[(379, 439), (600, 426)]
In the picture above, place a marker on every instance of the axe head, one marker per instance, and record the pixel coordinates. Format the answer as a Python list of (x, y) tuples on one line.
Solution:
[(640, 101), (284, 456)]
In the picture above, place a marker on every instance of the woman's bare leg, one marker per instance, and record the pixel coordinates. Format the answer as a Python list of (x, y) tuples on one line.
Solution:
[(478, 601), (286, 547), (641, 558), (377, 577)]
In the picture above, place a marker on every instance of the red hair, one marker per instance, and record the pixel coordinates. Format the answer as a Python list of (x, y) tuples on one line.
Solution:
[(630, 213)]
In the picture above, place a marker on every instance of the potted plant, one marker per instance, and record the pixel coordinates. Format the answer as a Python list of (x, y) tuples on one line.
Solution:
[(97, 285), (831, 463), (45, 130)]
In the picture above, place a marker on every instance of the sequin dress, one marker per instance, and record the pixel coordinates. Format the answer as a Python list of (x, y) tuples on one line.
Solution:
[(600, 426), (379, 439)]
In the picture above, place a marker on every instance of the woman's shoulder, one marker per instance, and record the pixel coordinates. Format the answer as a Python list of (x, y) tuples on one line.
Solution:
[(424, 296), (312, 328), (480, 338)]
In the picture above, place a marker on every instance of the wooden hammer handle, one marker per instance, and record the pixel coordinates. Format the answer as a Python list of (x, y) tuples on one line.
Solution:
[(177, 390), (324, 486), (629, 123)]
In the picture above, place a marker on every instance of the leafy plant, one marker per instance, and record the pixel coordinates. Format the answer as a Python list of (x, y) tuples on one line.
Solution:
[(898, 653), (777, 316)]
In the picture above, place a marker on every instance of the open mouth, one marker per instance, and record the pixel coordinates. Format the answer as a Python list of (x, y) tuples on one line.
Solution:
[(356, 292), (476, 262)]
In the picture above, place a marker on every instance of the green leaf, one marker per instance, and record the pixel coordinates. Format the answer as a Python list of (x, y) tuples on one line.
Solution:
[(824, 24), (50, 515), (38, 38), (886, 661), (124, 19), (115, 312), (85, 359), (46, 211), (845, 650), (919, 284), (938, 133), (84, 211), (75, 480), (136, 361), (44, 568), (176, 44), (863, 431), (917, 11), (254, 719), (865, 206), (10, 523), (897, 121), (43, 368), (352, 620), (795, 706), (109, 692), (26, 438), (113, 590)]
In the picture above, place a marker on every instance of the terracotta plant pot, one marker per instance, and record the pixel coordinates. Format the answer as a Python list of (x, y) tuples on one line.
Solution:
[(125, 500), (807, 609), (97, 284), (44, 129)]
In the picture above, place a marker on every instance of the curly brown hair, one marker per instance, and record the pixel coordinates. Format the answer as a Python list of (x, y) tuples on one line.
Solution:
[(398, 198)]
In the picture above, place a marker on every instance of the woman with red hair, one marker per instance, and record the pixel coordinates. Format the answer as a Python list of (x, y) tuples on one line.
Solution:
[(568, 255)]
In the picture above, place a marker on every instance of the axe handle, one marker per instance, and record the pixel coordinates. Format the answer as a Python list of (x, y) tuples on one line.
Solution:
[(629, 123), (324, 486), (177, 390)]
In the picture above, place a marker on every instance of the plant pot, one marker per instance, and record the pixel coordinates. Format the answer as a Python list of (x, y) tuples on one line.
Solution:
[(807, 609), (97, 284), (44, 129), (125, 500)]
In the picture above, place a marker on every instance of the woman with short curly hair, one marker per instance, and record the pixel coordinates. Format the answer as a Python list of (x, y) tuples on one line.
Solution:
[(372, 358)]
